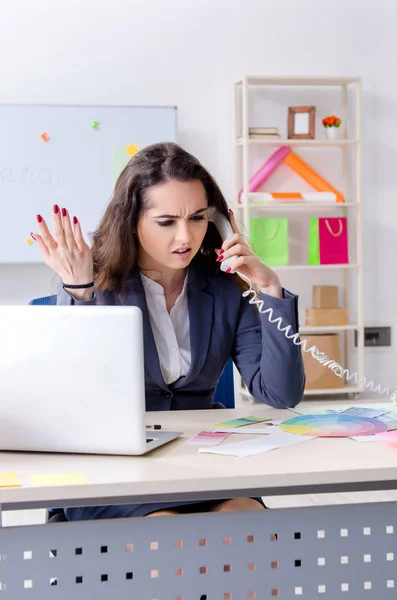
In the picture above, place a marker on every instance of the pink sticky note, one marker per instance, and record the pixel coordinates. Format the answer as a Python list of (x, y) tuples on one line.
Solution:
[(208, 438)]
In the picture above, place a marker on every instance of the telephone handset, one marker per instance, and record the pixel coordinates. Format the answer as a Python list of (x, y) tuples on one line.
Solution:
[(225, 230)]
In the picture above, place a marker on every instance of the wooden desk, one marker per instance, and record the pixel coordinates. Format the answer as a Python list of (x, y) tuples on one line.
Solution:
[(220, 556)]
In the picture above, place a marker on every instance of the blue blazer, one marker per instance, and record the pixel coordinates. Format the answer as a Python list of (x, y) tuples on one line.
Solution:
[(222, 325)]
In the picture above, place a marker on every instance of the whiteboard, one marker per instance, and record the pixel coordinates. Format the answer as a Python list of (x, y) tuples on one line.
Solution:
[(75, 168)]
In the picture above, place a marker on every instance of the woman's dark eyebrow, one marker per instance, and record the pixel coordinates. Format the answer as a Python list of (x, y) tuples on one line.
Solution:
[(199, 211)]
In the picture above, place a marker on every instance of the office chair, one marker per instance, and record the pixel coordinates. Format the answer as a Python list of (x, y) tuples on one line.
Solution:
[(44, 300)]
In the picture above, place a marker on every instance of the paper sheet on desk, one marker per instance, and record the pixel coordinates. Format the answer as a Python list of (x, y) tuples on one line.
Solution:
[(257, 445), (366, 438)]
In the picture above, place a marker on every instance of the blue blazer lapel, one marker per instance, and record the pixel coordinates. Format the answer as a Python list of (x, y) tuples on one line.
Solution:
[(136, 296), (201, 305)]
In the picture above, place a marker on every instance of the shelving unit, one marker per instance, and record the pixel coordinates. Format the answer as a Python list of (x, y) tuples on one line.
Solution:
[(349, 88)]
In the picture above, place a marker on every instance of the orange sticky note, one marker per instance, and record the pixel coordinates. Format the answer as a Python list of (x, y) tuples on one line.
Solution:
[(58, 479), (132, 150), (9, 480)]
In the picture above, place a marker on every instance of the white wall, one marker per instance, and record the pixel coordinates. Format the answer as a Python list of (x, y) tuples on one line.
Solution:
[(189, 54)]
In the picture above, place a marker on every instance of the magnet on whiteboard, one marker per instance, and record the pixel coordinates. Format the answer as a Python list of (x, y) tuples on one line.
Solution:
[(29, 241), (45, 137), (95, 125)]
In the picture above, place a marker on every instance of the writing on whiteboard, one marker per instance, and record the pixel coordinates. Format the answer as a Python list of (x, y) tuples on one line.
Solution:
[(28, 175)]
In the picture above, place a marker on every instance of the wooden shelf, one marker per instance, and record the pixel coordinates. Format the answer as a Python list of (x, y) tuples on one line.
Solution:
[(347, 155), (346, 389), (312, 143), (314, 267), (308, 329), (281, 204), (291, 81)]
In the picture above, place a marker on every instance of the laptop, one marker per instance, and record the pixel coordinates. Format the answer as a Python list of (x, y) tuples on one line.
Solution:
[(72, 380)]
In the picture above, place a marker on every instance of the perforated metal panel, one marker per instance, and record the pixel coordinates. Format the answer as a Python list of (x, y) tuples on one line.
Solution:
[(346, 552)]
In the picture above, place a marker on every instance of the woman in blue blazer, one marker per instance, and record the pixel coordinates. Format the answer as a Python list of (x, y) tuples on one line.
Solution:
[(155, 248)]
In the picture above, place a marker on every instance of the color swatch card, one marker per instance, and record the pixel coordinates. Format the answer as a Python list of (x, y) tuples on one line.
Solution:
[(241, 422), (333, 425), (257, 445), (362, 411), (390, 419), (208, 438), (250, 431), (389, 436)]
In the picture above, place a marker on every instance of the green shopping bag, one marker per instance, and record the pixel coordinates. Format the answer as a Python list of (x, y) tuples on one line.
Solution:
[(314, 242), (269, 240)]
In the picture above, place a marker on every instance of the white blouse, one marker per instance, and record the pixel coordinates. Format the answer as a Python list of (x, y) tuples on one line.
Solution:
[(171, 331)]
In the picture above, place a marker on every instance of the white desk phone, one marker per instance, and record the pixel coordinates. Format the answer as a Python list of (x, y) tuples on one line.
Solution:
[(224, 228)]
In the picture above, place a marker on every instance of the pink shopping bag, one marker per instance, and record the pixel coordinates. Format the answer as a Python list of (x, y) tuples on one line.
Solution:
[(333, 241)]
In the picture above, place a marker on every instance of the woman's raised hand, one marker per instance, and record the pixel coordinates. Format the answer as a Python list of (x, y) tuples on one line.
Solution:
[(66, 251)]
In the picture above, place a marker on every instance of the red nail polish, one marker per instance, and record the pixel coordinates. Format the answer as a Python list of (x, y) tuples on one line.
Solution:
[(228, 270), (39, 218), (75, 221), (221, 251), (231, 212), (56, 209), (64, 212), (32, 236), (219, 259)]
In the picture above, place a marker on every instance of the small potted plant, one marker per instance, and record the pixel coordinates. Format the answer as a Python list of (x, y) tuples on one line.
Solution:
[(332, 125)]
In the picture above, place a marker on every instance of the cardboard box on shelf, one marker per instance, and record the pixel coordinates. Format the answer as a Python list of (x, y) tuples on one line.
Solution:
[(326, 317), (318, 376), (325, 296)]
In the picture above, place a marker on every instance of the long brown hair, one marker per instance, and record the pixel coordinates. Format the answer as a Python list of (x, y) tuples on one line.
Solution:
[(115, 246)]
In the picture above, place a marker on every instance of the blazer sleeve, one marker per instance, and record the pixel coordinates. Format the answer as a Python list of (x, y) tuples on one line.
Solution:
[(270, 364)]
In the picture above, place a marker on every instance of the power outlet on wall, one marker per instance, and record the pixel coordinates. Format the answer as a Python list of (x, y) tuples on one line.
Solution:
[(375, 336)]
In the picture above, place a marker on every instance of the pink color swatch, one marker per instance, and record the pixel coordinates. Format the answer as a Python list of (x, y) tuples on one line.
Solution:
[(208, 438)]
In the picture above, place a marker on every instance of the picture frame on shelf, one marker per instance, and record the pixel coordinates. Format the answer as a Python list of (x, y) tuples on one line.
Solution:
[(301, 122)]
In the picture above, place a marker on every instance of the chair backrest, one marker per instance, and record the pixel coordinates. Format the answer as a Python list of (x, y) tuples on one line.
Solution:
[(44, 300), (224, 392)]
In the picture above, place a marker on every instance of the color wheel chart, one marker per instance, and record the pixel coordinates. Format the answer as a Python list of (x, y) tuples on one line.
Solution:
[(333, 425)]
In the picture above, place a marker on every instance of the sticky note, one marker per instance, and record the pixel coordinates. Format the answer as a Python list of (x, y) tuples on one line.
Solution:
[(95, 125), (9, 480), (241, 422), (120, 158), (58, 479), (45, 137), (132, 150)]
